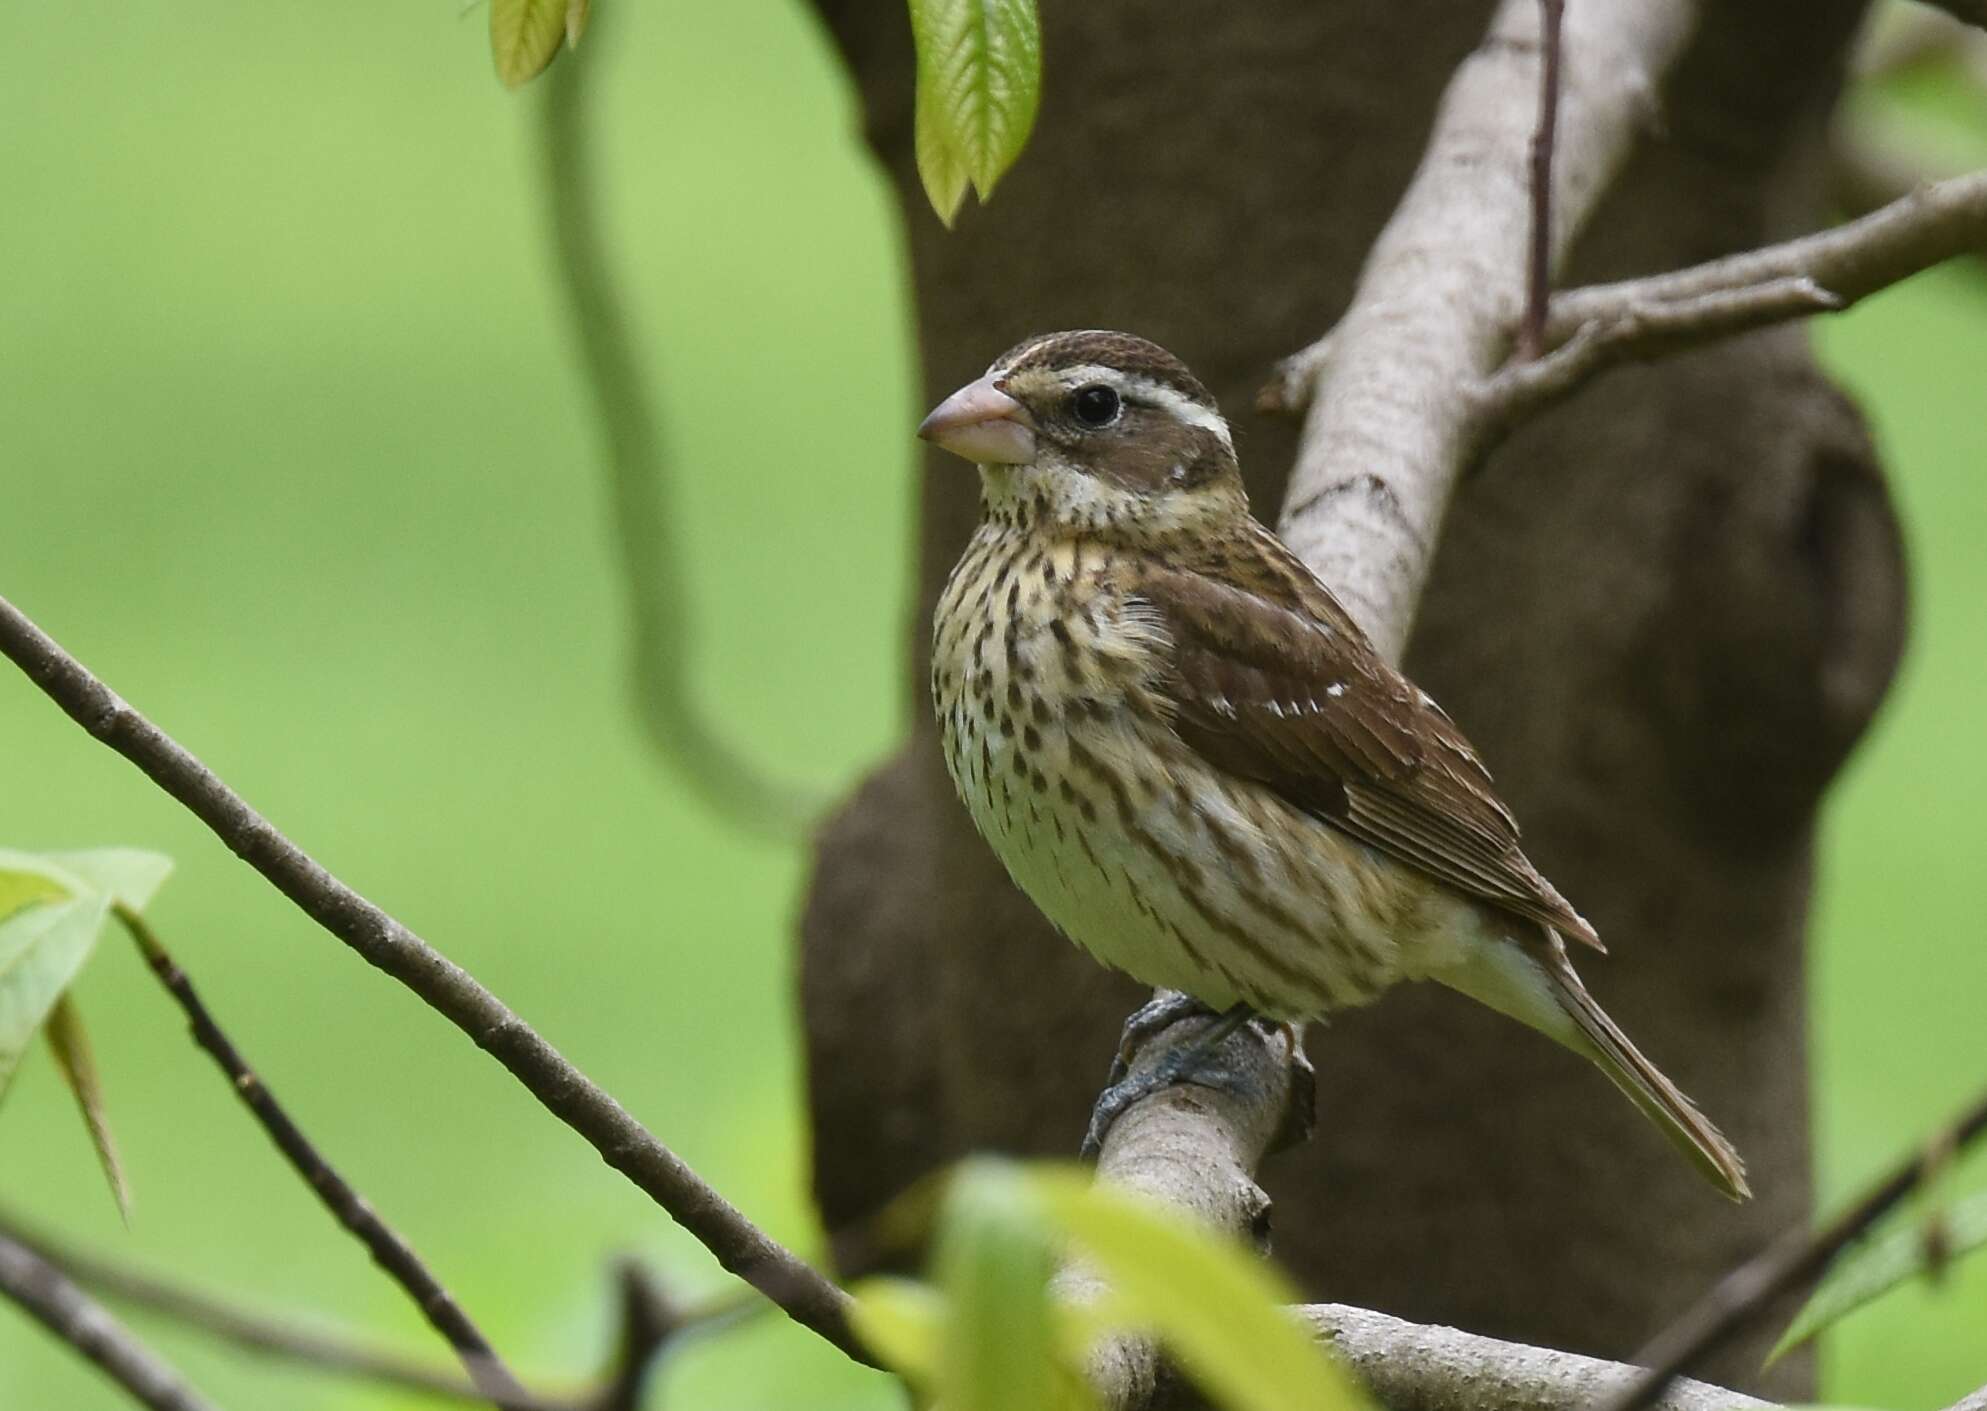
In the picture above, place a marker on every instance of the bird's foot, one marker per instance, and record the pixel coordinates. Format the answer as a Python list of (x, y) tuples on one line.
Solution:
[(1199, 1060)]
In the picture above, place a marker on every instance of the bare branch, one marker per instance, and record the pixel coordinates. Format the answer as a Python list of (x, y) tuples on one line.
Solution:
[(1602, 326), (1195, 1148), (1411, 1367), (1524, 389), (660, 649), (650, 1320), (352, 1211), (1391, 423), (80, 1321), (1793, 1261), (741, 1247), (1538, 264), (1932, 224)]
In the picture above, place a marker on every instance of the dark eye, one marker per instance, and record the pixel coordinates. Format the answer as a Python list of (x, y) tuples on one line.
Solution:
[(1095, 406)]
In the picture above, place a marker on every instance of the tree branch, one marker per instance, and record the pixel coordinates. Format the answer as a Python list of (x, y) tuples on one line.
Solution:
[(660, 649), (1410, 1367), (80, 1321), (492, 1379), (1932, 224), (1195, 1148), (1391, 426), (567, 1093), (1538, 262), (649, 1320)]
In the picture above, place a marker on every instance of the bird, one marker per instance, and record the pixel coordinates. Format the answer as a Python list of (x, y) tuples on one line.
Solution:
[(1192, 759)]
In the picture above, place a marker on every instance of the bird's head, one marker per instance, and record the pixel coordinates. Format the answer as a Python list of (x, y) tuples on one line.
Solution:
[(1096, 433)]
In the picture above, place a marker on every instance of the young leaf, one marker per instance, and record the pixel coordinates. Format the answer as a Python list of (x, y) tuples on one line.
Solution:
[(903, 1322), (41, 951), (52, 910), (1219, 1309), (131, 876), (71, 1047), (979, 79), (993, 1262), (20, 890), (525, 35), (1880, 1264)]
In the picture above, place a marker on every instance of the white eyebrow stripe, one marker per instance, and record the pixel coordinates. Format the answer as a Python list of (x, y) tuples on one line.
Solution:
[(1181, 407)]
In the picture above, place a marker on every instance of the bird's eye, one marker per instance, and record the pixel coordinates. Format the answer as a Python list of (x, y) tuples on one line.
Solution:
[(1095, 406)]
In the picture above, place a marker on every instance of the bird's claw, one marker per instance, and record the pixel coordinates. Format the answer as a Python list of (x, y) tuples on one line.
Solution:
[(1199, 1060)]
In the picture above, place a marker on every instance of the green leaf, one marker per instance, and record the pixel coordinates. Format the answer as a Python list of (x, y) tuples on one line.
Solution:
[(1220, 1310), (903, 1322), (20, 890), (1879, 1264), (993, 1261), (525, 35), (979, 81), (131, 876), (52, 910), (70, 1044)]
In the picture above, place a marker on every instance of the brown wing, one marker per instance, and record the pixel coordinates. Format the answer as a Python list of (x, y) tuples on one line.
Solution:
[(1275, 683)]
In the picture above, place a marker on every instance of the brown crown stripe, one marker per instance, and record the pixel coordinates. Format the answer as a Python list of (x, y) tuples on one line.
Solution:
[(1123, 351)]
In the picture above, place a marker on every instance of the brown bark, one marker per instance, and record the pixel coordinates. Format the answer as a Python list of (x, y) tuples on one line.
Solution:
[(1664, 613)]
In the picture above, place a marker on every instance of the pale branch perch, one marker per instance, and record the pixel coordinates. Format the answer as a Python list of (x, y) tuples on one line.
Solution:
[(77, 1319), (1931, 225), (567, 1093), (1195, 1149), (643, 522), (395, 1257), (1413, 1367), (1391, 426), (1590, 330), (1794, 1261)]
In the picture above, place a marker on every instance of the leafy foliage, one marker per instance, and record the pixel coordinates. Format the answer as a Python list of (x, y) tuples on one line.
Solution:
[(53, 907), (990, 1335), (1882, 1262), (979, 81), (525, 35)]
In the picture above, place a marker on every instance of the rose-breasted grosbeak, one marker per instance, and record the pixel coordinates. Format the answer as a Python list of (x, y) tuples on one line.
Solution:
[(1191, 758)]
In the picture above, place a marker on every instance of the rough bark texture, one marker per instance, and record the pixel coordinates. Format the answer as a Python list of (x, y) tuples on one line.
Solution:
[(1663, 613)]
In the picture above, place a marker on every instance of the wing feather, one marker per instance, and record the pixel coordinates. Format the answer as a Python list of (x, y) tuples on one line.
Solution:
[(1273, 682)]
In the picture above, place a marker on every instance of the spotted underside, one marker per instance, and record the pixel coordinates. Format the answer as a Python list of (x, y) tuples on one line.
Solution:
[(1142, 829)]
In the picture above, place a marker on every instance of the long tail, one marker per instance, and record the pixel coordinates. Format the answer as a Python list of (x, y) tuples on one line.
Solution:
[(1535, 985), (1689, 1130)]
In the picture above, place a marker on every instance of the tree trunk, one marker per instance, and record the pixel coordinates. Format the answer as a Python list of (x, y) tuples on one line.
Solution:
[(1663, 613)]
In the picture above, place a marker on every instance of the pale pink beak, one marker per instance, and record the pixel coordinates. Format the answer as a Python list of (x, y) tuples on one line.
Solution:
[(983, 424)]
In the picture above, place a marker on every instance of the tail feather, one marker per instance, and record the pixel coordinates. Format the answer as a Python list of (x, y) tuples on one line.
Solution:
[(1688, 1129)]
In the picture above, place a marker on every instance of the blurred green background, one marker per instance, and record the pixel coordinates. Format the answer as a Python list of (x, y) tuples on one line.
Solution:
[(291, 451)]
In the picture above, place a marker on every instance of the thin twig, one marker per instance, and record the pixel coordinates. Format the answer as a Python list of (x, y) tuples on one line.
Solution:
[(649, 1322), (1589, 330), (1523, 389), (644, 526), (1930, 225), (85, 1325), (741, 1247), (1538, 264), (240, 1325), (1793, 1261), (352, 1211)]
